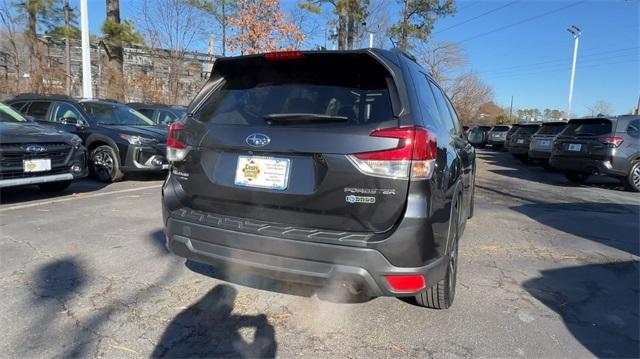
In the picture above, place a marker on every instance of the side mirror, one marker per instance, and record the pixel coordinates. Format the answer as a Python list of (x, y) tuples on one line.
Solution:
[(70, 121)]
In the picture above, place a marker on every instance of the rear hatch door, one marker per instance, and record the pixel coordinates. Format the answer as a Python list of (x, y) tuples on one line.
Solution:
[(584, 138), (273, 138)]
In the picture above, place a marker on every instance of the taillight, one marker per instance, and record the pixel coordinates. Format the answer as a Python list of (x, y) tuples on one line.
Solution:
[(283, 55), (176, 149), (406, 282), (611, 141), (414, 157)]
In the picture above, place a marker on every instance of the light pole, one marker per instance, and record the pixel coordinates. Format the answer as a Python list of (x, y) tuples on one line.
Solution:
[(575, 32), (87, 90)]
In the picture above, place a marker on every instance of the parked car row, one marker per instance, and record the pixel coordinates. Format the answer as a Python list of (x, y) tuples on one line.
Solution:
[(113, 138), (583, 147)]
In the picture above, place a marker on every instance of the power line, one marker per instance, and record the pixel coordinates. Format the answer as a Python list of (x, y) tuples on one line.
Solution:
[(558, 66), (477, 17), (565, 68), (552, 62), (522, 21), (472, 4)]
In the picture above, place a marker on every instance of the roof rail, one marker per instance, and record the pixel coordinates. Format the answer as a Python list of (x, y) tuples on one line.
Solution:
[(38, 95)]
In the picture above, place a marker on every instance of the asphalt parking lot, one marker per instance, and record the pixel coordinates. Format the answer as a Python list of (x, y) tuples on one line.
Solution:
[(547, 270)]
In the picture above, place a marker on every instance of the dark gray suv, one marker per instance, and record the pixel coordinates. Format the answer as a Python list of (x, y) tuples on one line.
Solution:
[(346, 167), (600, 146)]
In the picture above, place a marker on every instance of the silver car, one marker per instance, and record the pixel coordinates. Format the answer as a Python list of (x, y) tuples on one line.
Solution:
[(498, 135), (600, 146), (542, 141)]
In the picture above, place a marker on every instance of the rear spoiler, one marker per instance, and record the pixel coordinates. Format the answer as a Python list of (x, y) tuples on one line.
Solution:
[(387, 59)]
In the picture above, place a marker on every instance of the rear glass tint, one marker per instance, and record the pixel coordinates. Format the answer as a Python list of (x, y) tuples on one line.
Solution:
[(500, 128), (551, 129), (527, 130), (352, 92), (588, 128)]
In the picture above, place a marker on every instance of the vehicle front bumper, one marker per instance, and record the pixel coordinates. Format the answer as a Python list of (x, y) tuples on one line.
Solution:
[(73, 167), (150, 158), (584, 165)]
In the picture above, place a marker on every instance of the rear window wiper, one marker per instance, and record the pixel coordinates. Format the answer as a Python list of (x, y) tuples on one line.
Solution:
[(301, 118)]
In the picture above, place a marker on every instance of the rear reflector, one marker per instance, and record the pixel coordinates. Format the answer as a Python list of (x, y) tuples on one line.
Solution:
[(406, 283), (283, 55), (413, 157), (611, 141)]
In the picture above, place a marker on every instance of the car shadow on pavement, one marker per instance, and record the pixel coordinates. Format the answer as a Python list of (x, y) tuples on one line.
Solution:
[(157, 237), (598, 304), (590, 220), (23, 194), (208, 329), (331, 293)]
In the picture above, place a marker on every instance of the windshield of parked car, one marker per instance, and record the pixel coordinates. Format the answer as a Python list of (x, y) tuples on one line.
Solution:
[(7, 114), (115, 114), (500, 128), (551, 129), (527, 130), (588, 128)]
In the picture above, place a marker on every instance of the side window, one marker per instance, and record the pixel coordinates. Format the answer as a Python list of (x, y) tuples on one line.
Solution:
[(39, 109), (64, 110), (18, 106), (634, 128), (147, 112), (166, 118), (443, 108), (454, 117), (428, 103)]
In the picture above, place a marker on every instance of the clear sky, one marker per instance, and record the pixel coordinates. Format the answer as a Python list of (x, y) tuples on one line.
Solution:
[(522, 49)]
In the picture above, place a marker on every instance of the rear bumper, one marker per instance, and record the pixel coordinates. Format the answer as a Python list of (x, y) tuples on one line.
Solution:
[(585, 165), (539, 154), (496, 141), (311, 263), (519, 149)]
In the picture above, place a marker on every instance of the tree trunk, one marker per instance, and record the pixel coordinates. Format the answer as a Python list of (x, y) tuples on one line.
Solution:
[(35, 60), (342, 30), (350, 31), (116, 85), (224, 28), (404, 28)]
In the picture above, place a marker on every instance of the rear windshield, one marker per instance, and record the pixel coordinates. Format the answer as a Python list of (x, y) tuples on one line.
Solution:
[(301, 92), (551, 129), (588, 128), (527, 130), (500, 128)]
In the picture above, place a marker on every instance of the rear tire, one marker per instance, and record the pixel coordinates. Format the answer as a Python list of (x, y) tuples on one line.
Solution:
[(55, 186), (105, 164), (441, 295), (632, 181), (524, 158), (576, 177), (546, 164)]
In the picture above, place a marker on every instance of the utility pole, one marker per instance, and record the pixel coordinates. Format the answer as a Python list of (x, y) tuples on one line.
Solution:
[(575, 31), (87, 89), (638, 107), (67, 48), (511, 109)]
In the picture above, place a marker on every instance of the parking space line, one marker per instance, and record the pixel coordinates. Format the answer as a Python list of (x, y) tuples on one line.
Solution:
[(74, 197)]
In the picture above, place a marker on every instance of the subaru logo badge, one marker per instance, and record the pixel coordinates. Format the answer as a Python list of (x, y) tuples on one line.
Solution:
[(258, 140), (35, 148)]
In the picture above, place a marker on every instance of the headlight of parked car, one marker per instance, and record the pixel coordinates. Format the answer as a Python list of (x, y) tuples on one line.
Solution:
[(137, 140), (76, 141)]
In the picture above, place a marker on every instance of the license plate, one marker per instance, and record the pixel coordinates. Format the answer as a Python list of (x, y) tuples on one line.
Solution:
[(263, 172), (520, 140), (574, 147), (544, 142), (39, 165)]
